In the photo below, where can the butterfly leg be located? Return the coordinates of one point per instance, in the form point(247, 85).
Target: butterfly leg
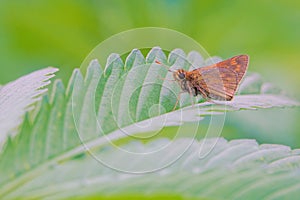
point(191, 96)
point(206, 98)
point(204, 95)
point(178, 99)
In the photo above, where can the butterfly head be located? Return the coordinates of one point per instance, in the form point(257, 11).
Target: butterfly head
point(179, 75)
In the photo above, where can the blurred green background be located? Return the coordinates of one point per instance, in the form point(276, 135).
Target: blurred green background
point(35, 34)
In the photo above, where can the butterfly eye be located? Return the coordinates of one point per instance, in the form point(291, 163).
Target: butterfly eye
point(181, 75)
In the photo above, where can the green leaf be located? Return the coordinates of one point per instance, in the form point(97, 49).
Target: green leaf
point(239, 169)
point(18, 96)
point(120, 102)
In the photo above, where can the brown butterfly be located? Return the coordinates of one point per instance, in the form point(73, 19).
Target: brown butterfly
point(219, 81)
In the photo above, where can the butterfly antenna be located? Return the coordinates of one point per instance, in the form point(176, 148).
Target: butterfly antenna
point(193, 66)
point(165, 66)
point(157, 62)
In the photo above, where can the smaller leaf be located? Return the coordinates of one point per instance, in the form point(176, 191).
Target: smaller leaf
point(18, 96)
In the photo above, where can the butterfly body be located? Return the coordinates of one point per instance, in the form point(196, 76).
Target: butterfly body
point(218, 81)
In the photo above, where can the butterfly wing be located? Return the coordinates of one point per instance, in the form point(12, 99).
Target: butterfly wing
point(219, 81)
